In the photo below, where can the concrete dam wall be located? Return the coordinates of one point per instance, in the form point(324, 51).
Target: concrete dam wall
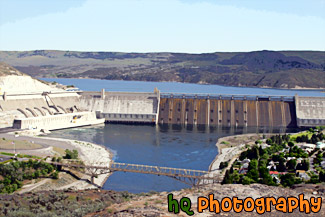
point(122, 107)
point(227, 111)
point(310, 111)
point(44, 110)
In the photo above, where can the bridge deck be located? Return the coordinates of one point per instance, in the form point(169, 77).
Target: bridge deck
point(138, 168)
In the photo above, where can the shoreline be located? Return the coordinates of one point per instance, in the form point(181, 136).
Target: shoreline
point(202, 83)
point(88, 156)
point(89, 153)
point(229, 148)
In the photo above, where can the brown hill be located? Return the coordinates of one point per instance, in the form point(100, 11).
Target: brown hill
point(276, 69)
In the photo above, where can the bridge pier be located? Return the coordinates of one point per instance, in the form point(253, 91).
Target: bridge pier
point(92, 179)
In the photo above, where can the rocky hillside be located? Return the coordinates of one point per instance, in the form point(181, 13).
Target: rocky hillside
point(276, 69)
point(6, 70)
point(119, 204)
point(13, 81)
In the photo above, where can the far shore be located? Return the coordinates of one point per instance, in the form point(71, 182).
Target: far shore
point(199, 83)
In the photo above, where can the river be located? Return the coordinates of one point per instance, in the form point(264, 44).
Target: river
point(175, 87)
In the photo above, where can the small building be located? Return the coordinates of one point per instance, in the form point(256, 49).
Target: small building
point(276, 178)
point(303, 175)
point(243, 171)
point(320, 145)
point(322, 164)
point(245, 166)
point(299, 160)
point(264, 146)
point(308, 146)
point(246, 161)
point(276, 173)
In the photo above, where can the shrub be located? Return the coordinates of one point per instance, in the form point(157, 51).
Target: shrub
point(71, 154)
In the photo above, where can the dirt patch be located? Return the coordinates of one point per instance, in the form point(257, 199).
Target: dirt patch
point(60, 151)
point(18, 144)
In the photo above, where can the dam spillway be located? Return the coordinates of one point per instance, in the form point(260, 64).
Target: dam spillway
point(227, 110)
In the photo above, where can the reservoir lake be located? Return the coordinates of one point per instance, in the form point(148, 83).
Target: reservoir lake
point(192, 147)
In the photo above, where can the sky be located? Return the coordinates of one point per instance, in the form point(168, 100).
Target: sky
point(188, 26)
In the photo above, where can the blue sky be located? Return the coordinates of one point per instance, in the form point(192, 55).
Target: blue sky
point(193, 26)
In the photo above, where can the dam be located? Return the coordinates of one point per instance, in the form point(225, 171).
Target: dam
point(206, 109)
point(62, 109)
point(48, 107)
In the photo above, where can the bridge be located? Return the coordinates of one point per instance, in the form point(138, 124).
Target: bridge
point(187, 176)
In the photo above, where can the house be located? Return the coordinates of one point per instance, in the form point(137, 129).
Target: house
point(276, 173)
point(244, 168)
point(300, 171)
point(276, 178)
point(264, 146)
point(271, 164)
point(308, 146)
point(291, 158)
point(246, 161)
point(299, 160)
point(320, 145)
point(322, 164)
point(308, 150)
point(303, 175)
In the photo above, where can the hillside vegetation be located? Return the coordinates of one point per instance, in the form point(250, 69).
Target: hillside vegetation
point(276, 69)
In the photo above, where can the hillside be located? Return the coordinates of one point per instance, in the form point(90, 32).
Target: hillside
point(276, 69)
point(102, 203)
point(13, 81)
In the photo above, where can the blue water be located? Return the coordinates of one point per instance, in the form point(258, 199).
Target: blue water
point(174, 87)
point(171, 146)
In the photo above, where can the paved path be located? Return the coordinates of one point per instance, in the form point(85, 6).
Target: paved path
point(46, 144)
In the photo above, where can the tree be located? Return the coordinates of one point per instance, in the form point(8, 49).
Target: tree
point(269, 141)
point(253, 153)
point(266, 177)
point(252, 170)
point(71, 154)
point(227, 179)
point(288, 180)
point(304, 165)
point(223, 165)
point(314, 139)
point(322, 176)
point(291, 144)
point(281, 167)
point(246, 180)
point(291, 164)
point(55, 175)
